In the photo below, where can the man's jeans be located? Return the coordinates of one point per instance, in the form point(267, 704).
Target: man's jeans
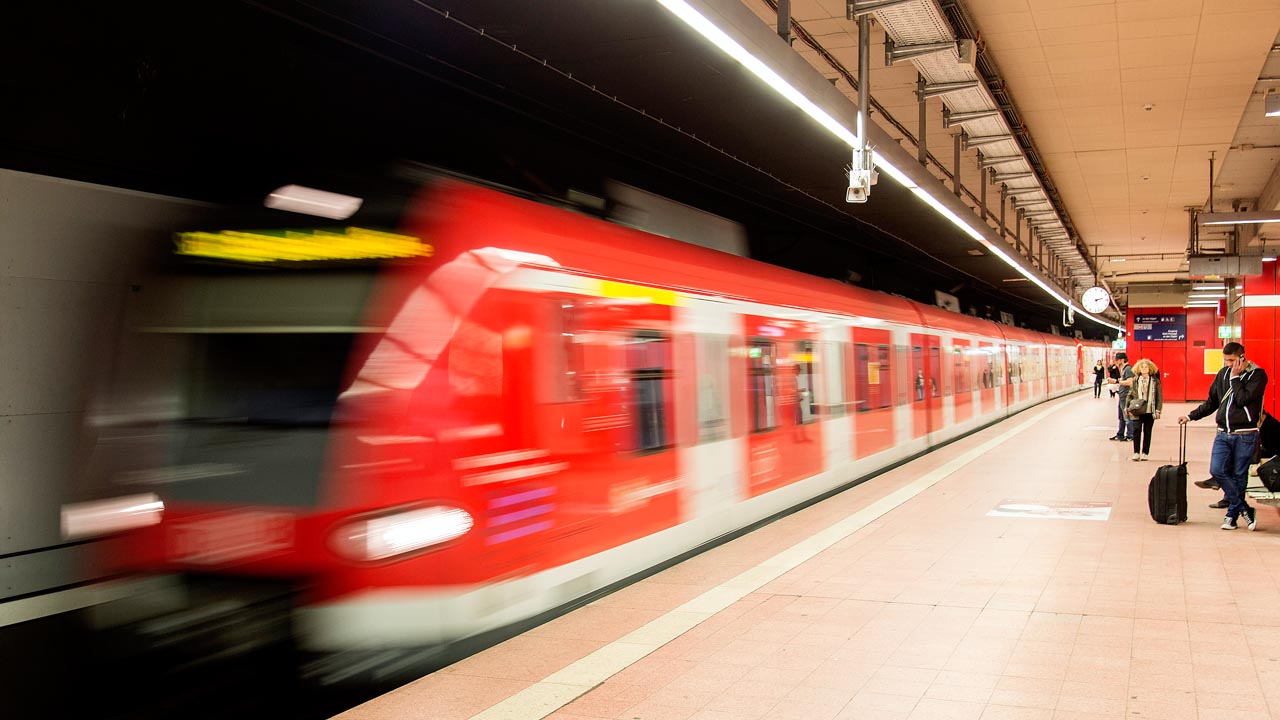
point(1230, 466)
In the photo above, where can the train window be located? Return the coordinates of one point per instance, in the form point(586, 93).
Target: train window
point(713, 378)
point(806, 395)
point(901, 359)
point(874, 371)
point(563, 355)
point(918, 382)
point(835, 378)
point(763, 357)
point(935, 370)
point(649, 360)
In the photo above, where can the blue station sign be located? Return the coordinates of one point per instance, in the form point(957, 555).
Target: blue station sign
point(1159, 328)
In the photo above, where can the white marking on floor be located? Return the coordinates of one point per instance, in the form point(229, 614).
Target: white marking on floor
point(568, 684)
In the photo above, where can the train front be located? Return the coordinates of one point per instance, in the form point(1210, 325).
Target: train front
point(267, 439)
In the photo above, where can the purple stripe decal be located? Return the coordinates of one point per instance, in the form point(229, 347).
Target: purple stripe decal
point(519, 532)
point(521, 515)
point(521, 497)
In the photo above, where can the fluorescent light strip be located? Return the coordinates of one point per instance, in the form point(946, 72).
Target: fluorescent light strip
point(709, 30)
point(1237, 218)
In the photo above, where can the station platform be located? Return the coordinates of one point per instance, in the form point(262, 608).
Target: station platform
point(1015, 573)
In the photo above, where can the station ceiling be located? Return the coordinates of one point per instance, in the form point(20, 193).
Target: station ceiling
point(549, 95)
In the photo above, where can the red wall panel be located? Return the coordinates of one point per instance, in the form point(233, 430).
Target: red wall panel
point(1181, 363)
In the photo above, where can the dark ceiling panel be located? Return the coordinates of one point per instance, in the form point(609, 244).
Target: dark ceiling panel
point(220, 100)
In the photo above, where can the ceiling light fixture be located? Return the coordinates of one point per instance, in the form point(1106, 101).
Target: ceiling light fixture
point(1238, 218)
point(1272, 104)
point(309, 201)
point(718, 37)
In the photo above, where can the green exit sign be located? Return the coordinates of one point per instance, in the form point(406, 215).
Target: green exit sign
point(1229, 332)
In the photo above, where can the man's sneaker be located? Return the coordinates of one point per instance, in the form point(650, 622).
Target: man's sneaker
point(1116, 437)
point(1220, 505)
point(1228, 523)
point(1251, 517)
point(1209, 484)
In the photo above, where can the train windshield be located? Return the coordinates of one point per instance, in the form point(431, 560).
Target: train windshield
point(228, 387)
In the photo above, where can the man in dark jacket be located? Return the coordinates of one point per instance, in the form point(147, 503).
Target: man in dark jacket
point(1236, 398)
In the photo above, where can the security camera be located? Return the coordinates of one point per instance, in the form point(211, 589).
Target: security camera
point(862, 175)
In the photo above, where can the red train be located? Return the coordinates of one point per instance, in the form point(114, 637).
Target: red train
point(538, 405)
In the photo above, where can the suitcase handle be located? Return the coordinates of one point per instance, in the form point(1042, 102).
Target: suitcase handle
point(1182, 444)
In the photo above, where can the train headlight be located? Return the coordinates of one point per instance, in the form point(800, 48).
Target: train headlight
point(102, 517)
point(385, 536)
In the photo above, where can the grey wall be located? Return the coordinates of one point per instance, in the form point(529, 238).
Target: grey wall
point(69, 253)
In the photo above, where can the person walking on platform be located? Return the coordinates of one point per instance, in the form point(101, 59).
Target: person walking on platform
point(1099, 374)
point(1123, 385)
point(1235, 396)
point(1145, 403)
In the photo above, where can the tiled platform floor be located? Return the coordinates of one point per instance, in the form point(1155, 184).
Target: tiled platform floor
point(937, 611)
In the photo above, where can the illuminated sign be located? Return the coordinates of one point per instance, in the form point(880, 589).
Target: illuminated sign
point(268, 246)
point(1160, 328)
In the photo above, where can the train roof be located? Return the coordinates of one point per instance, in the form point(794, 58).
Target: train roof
point(581, 243)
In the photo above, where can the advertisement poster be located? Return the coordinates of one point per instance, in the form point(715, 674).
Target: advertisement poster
point(1159, 328)
point(1212, 361)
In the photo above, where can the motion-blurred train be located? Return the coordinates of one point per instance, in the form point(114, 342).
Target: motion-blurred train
point(523, 405)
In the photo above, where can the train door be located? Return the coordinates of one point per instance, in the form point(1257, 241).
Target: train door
point(785, 442)
point(962, 374)
point(608, 394)
point(988, 379)
point(926, 392)
point(873, 391)
point(1080, 365)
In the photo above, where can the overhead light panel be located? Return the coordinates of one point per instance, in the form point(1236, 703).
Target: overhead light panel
point(309, 201)
point(1238, 218)
point(1272, 104)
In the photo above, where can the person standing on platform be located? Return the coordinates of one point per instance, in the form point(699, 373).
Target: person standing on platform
point(1113, 374)
point(1123, 385)
point(1145, 403)
point(1236, 399)
point(1099, 374)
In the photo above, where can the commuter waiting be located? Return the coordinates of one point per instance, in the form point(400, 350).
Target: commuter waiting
point(1145, 403)
point(1235, 396)
point(1123, 384)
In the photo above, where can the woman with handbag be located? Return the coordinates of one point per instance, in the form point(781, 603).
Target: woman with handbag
point(1144, 406)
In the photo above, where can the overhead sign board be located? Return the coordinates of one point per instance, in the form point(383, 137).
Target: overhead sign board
point(1160, 328)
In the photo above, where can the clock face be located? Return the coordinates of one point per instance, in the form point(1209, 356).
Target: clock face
point(1096, 299)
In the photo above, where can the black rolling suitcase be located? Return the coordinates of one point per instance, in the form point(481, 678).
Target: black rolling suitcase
point(1167, 492)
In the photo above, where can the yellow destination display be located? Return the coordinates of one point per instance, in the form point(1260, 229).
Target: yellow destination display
point(266, 246)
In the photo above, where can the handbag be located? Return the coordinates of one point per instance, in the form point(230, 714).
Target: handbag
point(1136, 406)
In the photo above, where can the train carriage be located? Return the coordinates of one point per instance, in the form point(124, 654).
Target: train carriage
point(537, 405)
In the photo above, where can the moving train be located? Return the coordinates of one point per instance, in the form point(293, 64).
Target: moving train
point(516, 406)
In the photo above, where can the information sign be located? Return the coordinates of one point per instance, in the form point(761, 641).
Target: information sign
point(1160, 328)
